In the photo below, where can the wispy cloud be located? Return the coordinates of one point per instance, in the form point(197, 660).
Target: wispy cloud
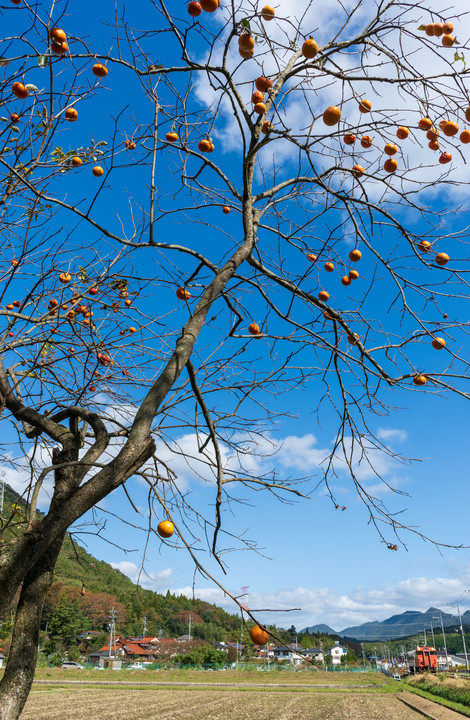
point(159, 582)
point(392, 435)
point(290, 456)
point(341, 610)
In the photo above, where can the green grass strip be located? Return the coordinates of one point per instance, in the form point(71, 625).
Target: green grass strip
point(440, 701)
point(63, 686)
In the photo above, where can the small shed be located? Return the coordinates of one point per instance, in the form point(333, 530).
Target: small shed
point(105, 660)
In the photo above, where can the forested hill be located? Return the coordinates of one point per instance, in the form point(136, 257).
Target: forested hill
point(166, 614)
point(106, 587)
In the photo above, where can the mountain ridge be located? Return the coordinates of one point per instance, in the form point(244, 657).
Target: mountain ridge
point(403, 624)
point(320, 628)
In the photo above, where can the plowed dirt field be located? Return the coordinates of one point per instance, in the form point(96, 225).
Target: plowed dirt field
point(80, 703)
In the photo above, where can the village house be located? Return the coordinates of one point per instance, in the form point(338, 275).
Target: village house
point(184, 638)
point(295, 654)
point(314, 654)
point(226, 645)
point(262, 651)
point(89, 635)
point(136, 649)
point(452, 659)
point(337, 652)
point(128, 649)
point(290, 653)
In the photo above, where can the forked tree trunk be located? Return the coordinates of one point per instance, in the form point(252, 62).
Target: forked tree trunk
point(19, 672)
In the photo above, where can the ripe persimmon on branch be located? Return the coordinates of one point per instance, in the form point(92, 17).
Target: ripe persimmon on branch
point(189, 233)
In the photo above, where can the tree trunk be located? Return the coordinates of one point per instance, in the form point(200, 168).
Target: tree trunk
point(19, 672)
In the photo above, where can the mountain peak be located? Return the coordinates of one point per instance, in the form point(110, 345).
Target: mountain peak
point(319, 629)
point(407, 623)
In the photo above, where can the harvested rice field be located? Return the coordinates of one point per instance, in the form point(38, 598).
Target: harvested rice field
point(78, 702)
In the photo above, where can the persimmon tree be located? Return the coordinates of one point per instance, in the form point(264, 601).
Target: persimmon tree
point(189, 234)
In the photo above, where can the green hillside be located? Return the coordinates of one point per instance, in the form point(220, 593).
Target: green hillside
point(166, 614)
point(86, 589)
point(105, 587)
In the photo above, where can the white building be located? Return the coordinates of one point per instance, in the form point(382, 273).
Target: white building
point(295, 654)
point(452, 660)
point(289, 653)
point(337, 652)
point(315, 653)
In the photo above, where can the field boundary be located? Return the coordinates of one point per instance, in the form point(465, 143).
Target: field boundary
point(424, 705)
point(182, 685)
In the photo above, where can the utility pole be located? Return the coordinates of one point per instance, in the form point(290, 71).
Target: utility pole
point(405, 660)
point(425, 643)
point(363, 656)
point(2, 493)
point(145, 626)
point(444, 639)
point(244, 590)
point(432, 633)
point(463, 637)
point(189, 627)
point(112, 632)
point(239, 644)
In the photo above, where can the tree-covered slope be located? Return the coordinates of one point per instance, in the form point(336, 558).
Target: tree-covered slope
point(105, 587)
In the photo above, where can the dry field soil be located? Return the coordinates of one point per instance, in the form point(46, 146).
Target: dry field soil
point(82, 703)
point(88, 695)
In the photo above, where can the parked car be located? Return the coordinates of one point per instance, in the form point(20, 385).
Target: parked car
point(69, 665)
point(137, 666)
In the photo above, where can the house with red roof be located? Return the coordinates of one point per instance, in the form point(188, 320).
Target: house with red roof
point(128, 649)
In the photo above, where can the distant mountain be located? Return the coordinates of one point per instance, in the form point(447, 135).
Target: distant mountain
point(403, 625)
point(319, 629)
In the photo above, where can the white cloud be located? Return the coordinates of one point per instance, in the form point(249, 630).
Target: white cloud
point(158, 582)
point(17, 473)
point(392, 434)
point(391, 106)
point(293, 456)
point(301, 453)
point(323, 605)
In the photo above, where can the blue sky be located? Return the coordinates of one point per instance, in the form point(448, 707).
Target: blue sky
point(328, 562)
